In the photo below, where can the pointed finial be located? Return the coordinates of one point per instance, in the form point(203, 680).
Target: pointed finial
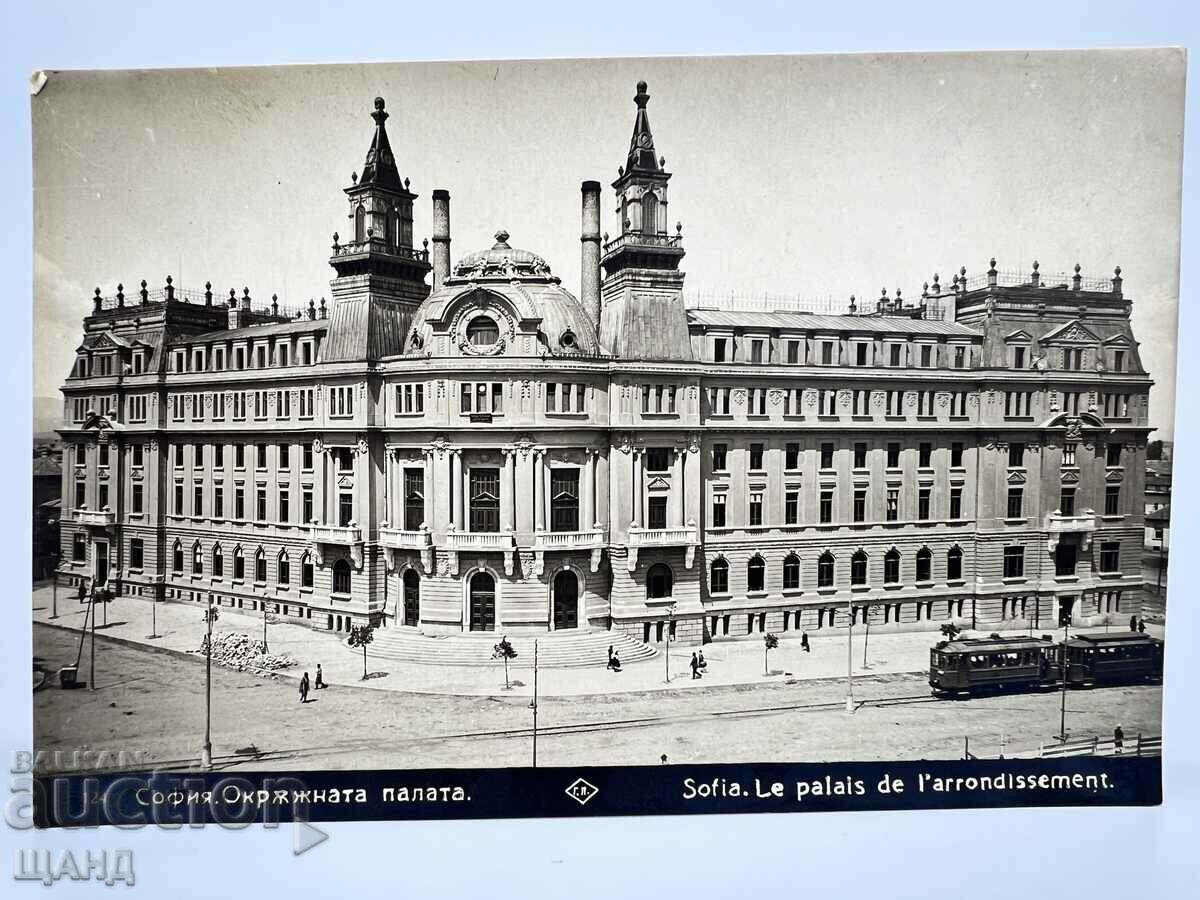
point(606, 237)
point(406, 184)
point(502, 237)
point(897, 295)
point(1117, 271)
point(662, 162)
point(208, 293)
point(1035, 265)
point(992, 262)
point(678, 229)
point(642, 96)
point(354, 177)
point(883, 292)
point(1076, 268)
point(121, 294)
point(335, 241)
point(232, 297)
point(97, 293)
point(925, 289)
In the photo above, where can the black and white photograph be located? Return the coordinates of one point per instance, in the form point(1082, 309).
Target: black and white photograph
point(639, 412)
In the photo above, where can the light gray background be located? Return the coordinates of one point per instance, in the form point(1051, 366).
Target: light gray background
point(990, 853)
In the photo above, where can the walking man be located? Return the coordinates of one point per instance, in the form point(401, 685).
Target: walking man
point(695, 667)
point(1141, 626)
point(1118, 739)
point(1133, 623)
point(804, 642)
point(320, 682)
point(304, 688)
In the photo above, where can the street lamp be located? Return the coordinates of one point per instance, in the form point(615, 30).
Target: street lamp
point(1062, 724)
point(850, 654)
point(210, 616)
point(533, 704)
point(667, 640)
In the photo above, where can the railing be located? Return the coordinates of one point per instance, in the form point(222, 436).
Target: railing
point(736, 301)
point(1139, 746)
point(479, 540)
point(664, 537)
point(568, 540)
point(1046, 280)
point(336, 534)
point(176, 294)
point(639, 239)
point(95, 517)
point(1060, 524)
point(399, 539)
point(379, 245)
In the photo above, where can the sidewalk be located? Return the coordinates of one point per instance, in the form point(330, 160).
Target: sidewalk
point(180, 628)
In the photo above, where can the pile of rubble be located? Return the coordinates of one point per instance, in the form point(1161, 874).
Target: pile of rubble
point(239, 651)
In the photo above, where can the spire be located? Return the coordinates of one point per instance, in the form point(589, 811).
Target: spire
point(380, 168)
point(642, 157)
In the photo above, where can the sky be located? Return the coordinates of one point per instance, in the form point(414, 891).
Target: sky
point(810, 176)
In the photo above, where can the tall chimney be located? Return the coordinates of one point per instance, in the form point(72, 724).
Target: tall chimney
point(441, 237)
point(589, 276)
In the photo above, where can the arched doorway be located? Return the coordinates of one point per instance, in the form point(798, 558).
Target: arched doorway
point(659, 581)
point(481, 602)
point(565, 598)
point(412, 598)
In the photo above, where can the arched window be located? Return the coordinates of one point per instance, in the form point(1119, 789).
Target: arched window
point(825, 570)
point(649, 213)
point(791, 572)
point(891, 567)
point(239, 564)
point(718, 576)
point(341, 577)
point(218, 564)
point(177, 558)
point(306, 571)
point(954, 564)
point(858, 568)
point(482, 331)
point(659, 581)
point(756, 574)
point(360, 224)
point(197, 559)
point(924, 565)
point(283, 568)
point(260, 566)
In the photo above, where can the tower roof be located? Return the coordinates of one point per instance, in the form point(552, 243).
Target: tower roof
point(642, 157)
point(380, 168)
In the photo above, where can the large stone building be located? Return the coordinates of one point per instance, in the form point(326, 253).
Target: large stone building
point(469, 447)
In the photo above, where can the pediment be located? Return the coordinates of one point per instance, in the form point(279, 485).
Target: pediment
point(1070, 477)
point(1016, 477)
point(1119, 340)
point(1019, 336)
point(658, 483)
point(1114, 477)
point(1071, 333)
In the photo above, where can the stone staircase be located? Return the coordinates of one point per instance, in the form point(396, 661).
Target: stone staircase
point(556, 649)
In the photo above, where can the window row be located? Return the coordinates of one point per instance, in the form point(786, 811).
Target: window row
point(756, 570)
point(829, 452)
point(762, 350)
point(220, 358)
point(218, 406)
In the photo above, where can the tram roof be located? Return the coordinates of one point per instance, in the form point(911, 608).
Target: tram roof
point(1119, 637)
point(990, 644)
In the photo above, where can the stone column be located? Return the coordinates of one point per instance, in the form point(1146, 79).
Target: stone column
point(539, 490)
point(427, 487)
point(456, 486)
point(637, 487)
point(677, 487)
point(508, 493)
point(587, 487)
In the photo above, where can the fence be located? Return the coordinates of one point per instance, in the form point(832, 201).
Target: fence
point(1140, 745)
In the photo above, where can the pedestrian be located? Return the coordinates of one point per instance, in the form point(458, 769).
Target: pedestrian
point(320, 682)
point(610, 652)
point(1141, 626)
point(615, 662)
point(804, 642)
point(695, 667)
point(702, 662)
point(1133, 623)
point(1118, 739)
point(304, 688)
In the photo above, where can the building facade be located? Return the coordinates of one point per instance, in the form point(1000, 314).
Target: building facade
point(469, 447)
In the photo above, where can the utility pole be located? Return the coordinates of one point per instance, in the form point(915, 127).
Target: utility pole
point(92, 661)
point(54, 598)
point(263, 603)
point(667, 640)
point(866, 634)
point(533, 704)
point(849, 656)
point(210, 616)
point(1062, 727)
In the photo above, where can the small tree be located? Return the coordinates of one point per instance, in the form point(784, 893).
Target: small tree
point(770, 642)
point(360, 636)
point(504, 650)
point(951, 631)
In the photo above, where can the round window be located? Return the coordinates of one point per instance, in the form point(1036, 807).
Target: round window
point(482, 331)
point(568, 339)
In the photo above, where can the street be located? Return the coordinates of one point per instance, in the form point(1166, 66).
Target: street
point(151, 701)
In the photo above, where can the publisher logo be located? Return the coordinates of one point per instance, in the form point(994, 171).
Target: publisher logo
point(581, 791)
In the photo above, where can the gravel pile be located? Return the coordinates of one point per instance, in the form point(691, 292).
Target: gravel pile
point(239, 651)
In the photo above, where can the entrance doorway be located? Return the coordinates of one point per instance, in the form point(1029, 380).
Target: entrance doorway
point(412, 598)
point(101, 563)
point(566, 600)
point(1065, 606)
point(482, 602)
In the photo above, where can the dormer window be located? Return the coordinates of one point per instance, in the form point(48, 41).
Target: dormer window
point(483, 332)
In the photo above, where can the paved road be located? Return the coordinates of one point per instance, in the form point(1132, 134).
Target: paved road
point(153, 702)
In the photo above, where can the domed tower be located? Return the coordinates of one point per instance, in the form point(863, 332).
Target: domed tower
point(642, 313)
point(380, 275)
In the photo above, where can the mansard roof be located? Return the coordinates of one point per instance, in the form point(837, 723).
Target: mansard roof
point(250, 332)
point(800, 321)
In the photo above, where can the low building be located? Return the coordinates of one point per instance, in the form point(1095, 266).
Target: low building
point(469, 447)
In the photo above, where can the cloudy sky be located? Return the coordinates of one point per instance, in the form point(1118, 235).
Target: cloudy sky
point(810, 176)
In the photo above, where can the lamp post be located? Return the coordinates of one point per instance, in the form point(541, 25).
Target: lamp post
point(667, 640)
point(263, 603)
point(533, 704)
point(54, 597)
point(92, 661)
point(210, 615)
point(849, 655)
point(1062, 721)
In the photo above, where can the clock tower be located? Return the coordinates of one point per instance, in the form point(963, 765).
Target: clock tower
point(642, 314)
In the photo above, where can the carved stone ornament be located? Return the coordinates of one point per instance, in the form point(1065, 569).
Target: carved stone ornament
point(361, 446)
point(318, 446)
point(439, 445)
point(1074, 429)
point(739, 396)
point(972, 399)
point(943, 399)
point(625, 441)
point(776, 397)
point(810, 398)
point(877, 399)
point(693, 441)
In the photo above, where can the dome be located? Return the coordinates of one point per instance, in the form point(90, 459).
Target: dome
point(523, 295)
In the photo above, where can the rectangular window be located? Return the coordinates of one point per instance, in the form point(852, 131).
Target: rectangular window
point(260, 504)
point(307, 505)
point(826, 509)
point(925, 455)
point(718, 511)
point(414, 499)
point(656, 513)
point(1112, 499)
point(1016, 503)
point(826, 455)
point(1014, 562)
point(239, 456)
point(1065, 559)
point(283, 404)
point(260, 456)
point(923, 502)
point(926, 356)
point(102, 500)
point(1118, 360)
point(860, 505)
point(756, 457)
point(827, 353)
point(135, 553)
point(285, 456)
point(960, 357)
point(955, 503)
point(1016, 455)
point(956, 455)
point(1066, 503)
point(345, 509)
point(893, 455)
point(791, 508)
point(306, 457)
point(198, 500)
point(719, 455)
point(79, 548)
point(861, 352)
point(218, 456)
point(135, 498)
point(756, 351)
point(756, 509)
point(564, 499)
point(239, 502)
point(1112, 454)
point(894, 354)
point(178, 508)
point(658, 459)
point(1110, 556)
point(218, 502)
point(793, 352)
point(1018, 357)
point(484, 499)
point(284, 511)
point(860, 455)
point(341, 401)
point(893, 504)
point(719, 349)
point(791, 456)
point(1068, 457)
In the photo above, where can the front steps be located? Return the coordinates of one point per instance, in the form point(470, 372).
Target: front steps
point(556, 649)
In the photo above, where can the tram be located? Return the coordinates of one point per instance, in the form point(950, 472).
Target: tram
point(976, 665)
